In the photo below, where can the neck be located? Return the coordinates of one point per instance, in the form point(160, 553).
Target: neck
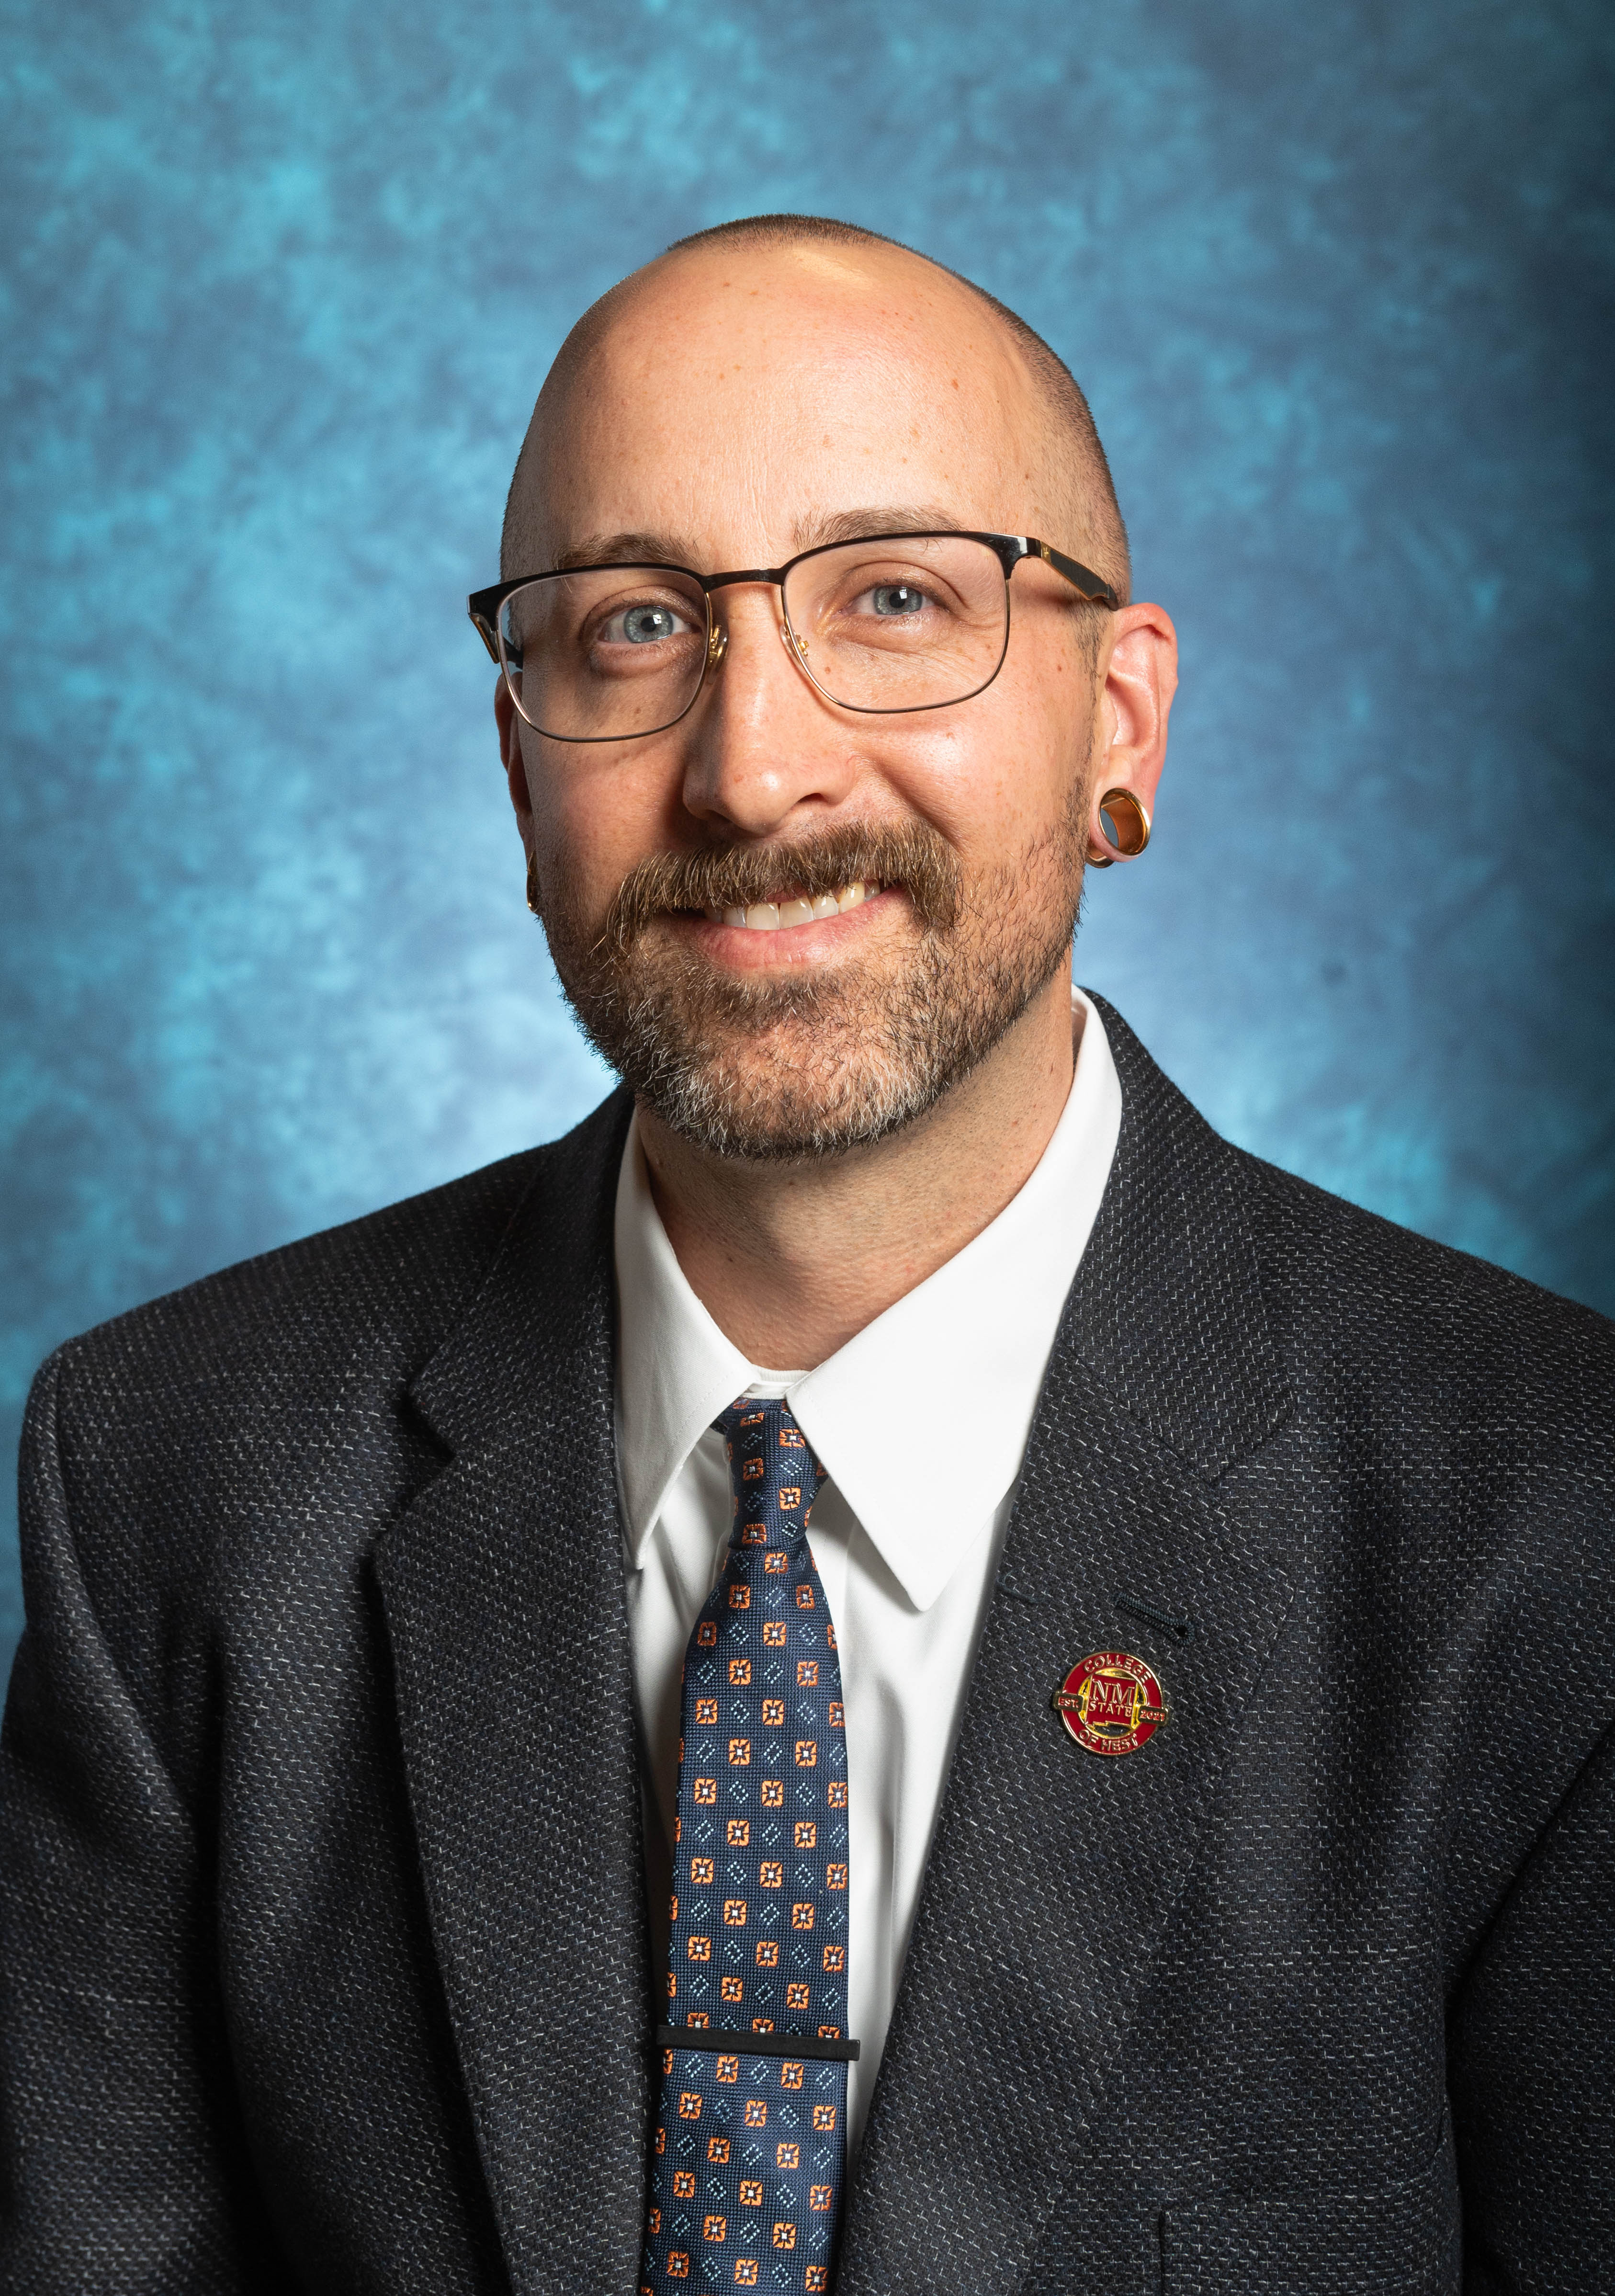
point(792, 1260)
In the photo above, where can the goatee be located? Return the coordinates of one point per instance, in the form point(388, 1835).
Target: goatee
point(841, 1056)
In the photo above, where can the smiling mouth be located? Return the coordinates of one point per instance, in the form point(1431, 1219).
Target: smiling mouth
point(801, 909)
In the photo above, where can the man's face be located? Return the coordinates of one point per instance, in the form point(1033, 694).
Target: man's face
point(741, 408)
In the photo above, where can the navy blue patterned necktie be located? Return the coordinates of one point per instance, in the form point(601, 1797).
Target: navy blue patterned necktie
point(749, 2156)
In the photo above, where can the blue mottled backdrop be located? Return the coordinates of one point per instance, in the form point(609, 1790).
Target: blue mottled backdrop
point(280, 284)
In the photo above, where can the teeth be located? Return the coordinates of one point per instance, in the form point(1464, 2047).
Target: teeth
point(775, 916)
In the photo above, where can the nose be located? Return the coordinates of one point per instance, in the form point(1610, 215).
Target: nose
point(717, 645)
point(763, 745)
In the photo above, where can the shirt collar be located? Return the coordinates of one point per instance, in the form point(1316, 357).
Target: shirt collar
point(954, 1367)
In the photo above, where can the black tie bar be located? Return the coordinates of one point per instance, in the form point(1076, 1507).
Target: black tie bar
point(756, 2045)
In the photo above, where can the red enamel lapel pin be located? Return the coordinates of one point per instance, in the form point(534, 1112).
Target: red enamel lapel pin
point(1110, 1702)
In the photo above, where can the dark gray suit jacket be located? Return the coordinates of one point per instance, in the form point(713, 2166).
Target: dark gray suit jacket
point(325, 1951)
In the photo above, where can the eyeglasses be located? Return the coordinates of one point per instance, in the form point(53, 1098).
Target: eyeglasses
point(891, 624)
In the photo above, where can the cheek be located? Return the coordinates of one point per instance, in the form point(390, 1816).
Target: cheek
point(593, 820)
point(1003, 778)
point(1047, 734)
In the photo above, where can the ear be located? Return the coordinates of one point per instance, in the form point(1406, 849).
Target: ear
point(515, 764)
point(1139, 680)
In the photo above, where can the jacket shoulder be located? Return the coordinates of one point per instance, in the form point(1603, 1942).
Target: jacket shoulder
point(1225, 1299)
point(337, 1321)
point(213, 1468)
point(382, 1282)
point(1394, 1314)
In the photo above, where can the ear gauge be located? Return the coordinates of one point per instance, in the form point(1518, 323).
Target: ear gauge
point(1124, 825)
point(532, 886)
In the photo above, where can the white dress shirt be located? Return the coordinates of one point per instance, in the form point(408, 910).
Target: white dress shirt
point(921, 1422)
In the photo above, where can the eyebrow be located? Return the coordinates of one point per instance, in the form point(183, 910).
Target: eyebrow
point(628, 549)
point(885, 518)
point(639, 547)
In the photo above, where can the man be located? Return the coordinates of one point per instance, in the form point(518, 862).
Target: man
point(889, 1670)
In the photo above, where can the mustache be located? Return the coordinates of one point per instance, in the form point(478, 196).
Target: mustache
point(910, 854)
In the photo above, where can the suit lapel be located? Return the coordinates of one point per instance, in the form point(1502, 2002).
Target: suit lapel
point(503, 1591)
point(1053, 1871)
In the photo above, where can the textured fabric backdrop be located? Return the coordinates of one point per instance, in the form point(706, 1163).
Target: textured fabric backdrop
point(280, 285)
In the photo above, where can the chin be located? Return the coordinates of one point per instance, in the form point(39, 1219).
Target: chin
point(728, 1109)
point(807, 1068)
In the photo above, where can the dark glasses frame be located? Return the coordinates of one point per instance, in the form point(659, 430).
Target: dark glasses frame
point(1010, 549)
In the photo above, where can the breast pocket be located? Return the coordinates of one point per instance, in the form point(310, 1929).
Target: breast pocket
point(1403, 2238)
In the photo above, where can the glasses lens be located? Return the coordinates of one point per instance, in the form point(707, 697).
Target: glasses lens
point(605, 653)
point(901, 625)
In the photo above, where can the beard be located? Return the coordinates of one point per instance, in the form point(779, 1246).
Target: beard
point(839, 1059)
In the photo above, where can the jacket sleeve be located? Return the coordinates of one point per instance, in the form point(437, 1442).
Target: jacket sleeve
point(121, 2165)
point(1531, 2061)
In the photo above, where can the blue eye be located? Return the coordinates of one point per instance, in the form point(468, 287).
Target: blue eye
point(648, 625)
point(897, 598)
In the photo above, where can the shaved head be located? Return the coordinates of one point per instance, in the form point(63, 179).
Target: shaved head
point(793, 923)
point(1055, 429)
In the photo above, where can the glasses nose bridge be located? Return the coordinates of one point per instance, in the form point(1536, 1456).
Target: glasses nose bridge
point(762, 576)
point(773, 577)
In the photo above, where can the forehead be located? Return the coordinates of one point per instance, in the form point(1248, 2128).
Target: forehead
point(738, 403)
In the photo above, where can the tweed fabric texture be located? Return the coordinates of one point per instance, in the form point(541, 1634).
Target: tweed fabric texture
point(323, 1958)
point(747, 2162)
